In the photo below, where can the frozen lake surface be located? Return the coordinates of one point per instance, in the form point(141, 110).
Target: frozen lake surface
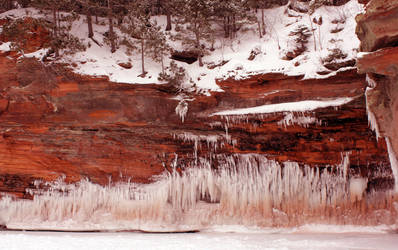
point(203, 240)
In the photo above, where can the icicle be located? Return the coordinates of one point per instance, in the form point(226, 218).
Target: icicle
point(371, 117)
point(371, 83)
point(245, 189)
point(393, 162)
point(301, 119)
point(345, 159)
point(213, 142)
point(357, 188)
point(182, 109)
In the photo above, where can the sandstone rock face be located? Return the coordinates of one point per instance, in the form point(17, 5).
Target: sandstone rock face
point(378, 33)
point(55, 123)
point(377, 28)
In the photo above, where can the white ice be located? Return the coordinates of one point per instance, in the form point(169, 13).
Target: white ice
point(207, 240)
point(301, 106)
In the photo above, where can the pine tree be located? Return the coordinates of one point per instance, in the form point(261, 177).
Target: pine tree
point(111, 33)
point(60, 27)
point(87, 7)
point(313, 5)
point(197, 15)
point(232, 12)
point(6, 5)
point(56, 27)
point(256, 5)
point(167, 7)
point(157, 47)
point(139, 26)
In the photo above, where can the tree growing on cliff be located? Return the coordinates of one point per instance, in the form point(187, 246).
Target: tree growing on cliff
point(228, 12)
point(61, 24)
point(111, 37)
point(139, 26)
point(195, 15)
point(87, 8)
point(168, 9)
point(313, 5)
point(16, 31)
point(6, 5)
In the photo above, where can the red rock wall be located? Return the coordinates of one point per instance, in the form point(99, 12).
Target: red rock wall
point(54, 123)
point(83, 127)
point(378, 31)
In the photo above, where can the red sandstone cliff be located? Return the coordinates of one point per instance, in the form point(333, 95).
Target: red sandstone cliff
point(377, 29)
point(53, 123)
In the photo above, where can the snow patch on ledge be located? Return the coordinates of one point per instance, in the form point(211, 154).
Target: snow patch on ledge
point(301, 106)
point(4, 47)
point(39, 54)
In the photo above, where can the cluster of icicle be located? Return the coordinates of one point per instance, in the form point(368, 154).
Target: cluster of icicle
point(375, 127)
point(182, 109)
point(213, 142)
point(300, 119)
point(244, 189)
point(371, 117)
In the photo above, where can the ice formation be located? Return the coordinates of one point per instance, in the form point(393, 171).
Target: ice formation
point(299, 106)
point(371, 117)
point(300, 119)
point(244, 189)
point(213, 142)
point(357, 188)
point(375, 127)
point(393, 162)
point(182, 109)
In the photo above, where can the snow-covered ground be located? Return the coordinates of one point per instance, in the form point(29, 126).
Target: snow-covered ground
point(210, 240)
point(336, 32)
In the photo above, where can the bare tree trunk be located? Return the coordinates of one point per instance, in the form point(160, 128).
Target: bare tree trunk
point(259, 28)
point(55, 22)
point(89, 24)
point(200, 60)
point(234, 24)
point(168, 25)
point(24, 3)
point(161, 60)
point(262, 21)
point(142, 57)
point(312, 30)
point(226, 27)
point(197, 36)
point(55, 33)
point(319, 36)
point(7, 4)
point(59, 21)
point(165, 7)
point(111, 33)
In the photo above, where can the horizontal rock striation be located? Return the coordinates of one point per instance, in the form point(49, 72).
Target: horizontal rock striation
point(378, 33)
point(54, 123)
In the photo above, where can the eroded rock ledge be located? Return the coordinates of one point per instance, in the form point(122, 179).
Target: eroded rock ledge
point(378, 33)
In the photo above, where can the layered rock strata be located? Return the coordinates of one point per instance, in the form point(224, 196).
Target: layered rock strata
point(56, 123)
point(378, 31)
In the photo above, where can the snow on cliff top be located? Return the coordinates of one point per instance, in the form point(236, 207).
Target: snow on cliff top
point(336, 32)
